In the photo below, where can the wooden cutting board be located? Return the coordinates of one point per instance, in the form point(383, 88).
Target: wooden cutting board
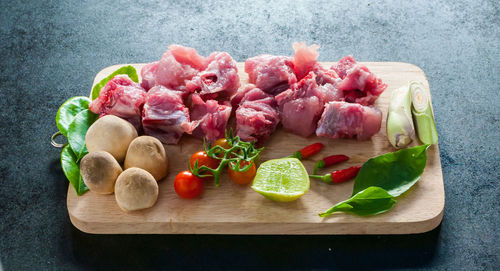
point(236, 209)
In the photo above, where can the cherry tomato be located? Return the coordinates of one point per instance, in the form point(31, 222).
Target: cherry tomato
point(243, 177)
point(203, 160)
point(222, 142)
point(187, 185)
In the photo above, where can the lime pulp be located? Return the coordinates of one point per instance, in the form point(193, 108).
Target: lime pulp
point(282, 180)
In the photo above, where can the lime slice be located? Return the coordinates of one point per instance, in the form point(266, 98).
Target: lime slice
point(283, 179)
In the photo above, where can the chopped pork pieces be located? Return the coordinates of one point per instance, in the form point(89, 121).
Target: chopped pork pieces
point(346, 120)
point(257, 115)
point(165, 116)
point(210, 118)
point(121, 97)
point(184, 92)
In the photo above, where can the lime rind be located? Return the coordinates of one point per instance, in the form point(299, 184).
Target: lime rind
point(280, 197)
point(281, 180)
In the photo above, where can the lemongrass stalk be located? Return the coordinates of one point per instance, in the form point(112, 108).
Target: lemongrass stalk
point(399, 125)
point(422, 113)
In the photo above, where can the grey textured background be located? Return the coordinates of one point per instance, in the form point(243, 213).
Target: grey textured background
point(51, 50)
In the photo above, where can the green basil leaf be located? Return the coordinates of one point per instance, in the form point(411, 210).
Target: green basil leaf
point(395, 172)
point(68, 111)
point(72, 170)
point(128, 70)
point(371, 201)
point(78, 129)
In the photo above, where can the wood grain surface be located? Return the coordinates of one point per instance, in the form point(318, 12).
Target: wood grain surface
point(236, 209)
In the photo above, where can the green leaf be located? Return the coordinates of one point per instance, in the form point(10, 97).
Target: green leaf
point(128, 70)
point(395, 172)
point(371, 201)
point(68, 111)
point(78, 129)
point(72, 170)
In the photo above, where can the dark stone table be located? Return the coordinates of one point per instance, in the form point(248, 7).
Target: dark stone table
point(51, 50)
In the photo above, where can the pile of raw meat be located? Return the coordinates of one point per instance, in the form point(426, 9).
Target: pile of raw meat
point(184, 92)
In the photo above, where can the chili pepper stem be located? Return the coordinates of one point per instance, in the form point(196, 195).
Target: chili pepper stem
point(296, 154)
point(318, 165)
point(327, 178)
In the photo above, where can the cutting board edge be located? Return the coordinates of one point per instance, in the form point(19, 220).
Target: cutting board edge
point(257, 228)
point(382, 228)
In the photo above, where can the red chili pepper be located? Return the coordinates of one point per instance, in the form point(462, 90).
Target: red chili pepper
point(330, 160)
point(339, 176)
point(308, 151)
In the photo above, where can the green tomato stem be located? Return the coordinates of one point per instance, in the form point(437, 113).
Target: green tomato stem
point(238, 152)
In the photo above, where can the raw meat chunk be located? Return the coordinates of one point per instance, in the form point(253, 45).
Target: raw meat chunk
point(327, 81)
point(237, 99)
point(176, 66)
point(301, 106)
point(240, 94)
point(324, 76)
point(348, 120)
point(257, 116)
point(305, 59)
point(121, 97)
point(331, 93)
point(219, 80)
point(210, 118)
point(148, 74)
point(344, 64)
point(272, 74)
point(164, 115)
point(358, 84)
point(361, 86)
point(253, 93)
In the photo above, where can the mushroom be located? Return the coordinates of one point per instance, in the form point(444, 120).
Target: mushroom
point(136, 189)
point(112, 134)
point(148, 153)
point(99, 171)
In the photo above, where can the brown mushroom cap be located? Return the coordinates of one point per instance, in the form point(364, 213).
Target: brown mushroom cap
point(99, 172)
point(112, 134)
point(148, 153)
point(136, 189)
